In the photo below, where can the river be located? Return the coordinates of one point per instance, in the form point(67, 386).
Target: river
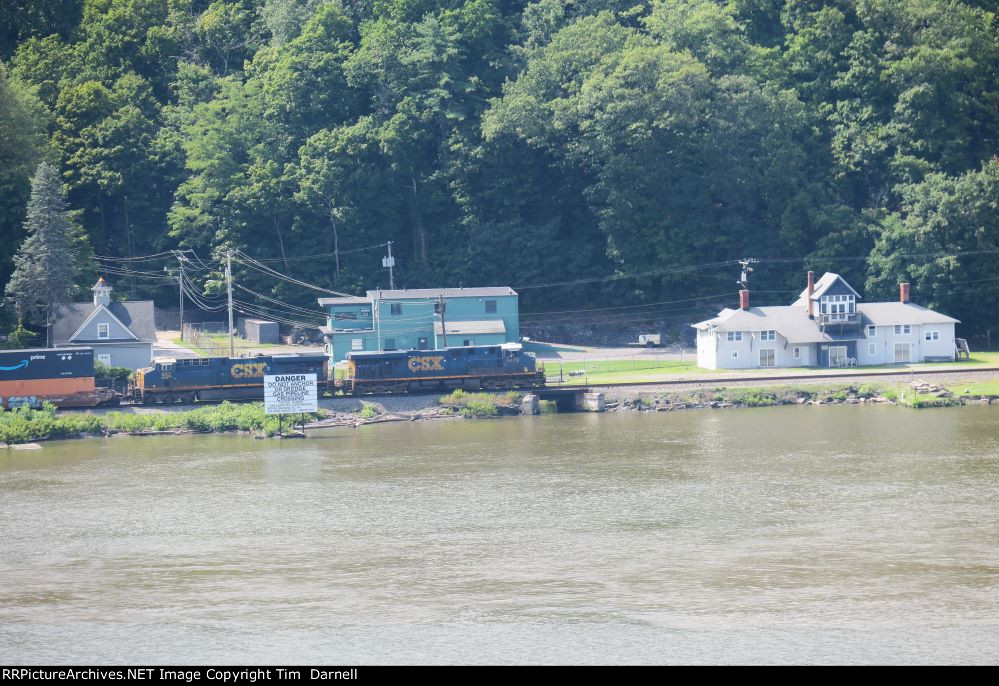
point(776, 535)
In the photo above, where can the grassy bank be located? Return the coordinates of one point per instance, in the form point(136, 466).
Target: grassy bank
point(23, 425)
point(470, 405)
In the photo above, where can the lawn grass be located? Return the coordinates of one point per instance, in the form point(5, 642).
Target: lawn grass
point(975, 388)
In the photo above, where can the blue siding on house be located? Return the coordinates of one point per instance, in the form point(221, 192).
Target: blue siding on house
point(401, 322)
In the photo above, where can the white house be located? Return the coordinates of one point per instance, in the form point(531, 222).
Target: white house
point(825, 327)
point(121, 333)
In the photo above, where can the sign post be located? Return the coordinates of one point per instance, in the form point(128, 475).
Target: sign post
point(289, 394)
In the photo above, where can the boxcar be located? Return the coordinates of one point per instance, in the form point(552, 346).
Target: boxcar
point(62, 376)
point(474, 367)
point(219, 378)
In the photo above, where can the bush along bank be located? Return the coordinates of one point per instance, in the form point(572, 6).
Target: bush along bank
point(479, 405)
point(24, 424)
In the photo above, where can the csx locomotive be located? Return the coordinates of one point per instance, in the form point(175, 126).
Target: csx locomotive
point(484, 367)
point(220, 378)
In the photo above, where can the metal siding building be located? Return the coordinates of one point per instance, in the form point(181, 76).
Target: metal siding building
point(410, 320)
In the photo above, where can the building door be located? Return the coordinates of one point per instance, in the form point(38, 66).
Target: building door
point(423, 343)
point(837, 356)
point(903, 352)
point(767, 357)
point(105, 359)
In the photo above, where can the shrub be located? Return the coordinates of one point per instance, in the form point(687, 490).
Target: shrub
point(369, 411)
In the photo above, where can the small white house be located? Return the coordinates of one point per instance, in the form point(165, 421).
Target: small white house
point(122, 334)
point(826, 327)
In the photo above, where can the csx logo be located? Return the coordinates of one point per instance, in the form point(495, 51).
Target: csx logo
point(433, 363)
point(247, 370)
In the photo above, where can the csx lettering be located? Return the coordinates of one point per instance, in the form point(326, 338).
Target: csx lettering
point(434, 363)
point(248, 370)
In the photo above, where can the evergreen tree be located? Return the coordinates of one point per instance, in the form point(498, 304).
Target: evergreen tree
point(47, 263)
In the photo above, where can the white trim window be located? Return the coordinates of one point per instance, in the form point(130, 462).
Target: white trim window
point(768, 357)
point(103, 331)
point(797, 353)
point(872, 349)
point(734, 335)
point(357, 344)
point(903, 329)
point(768, 335)
point(872, 331)
point(932, 336)
point(735, 354)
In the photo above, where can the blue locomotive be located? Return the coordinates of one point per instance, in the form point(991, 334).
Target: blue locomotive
point(482, 367)
point(220, 378)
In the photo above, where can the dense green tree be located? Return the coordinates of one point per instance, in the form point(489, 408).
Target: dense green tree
point(49, 259)
point(517, 142)
point(945, 242)
point(23, 143)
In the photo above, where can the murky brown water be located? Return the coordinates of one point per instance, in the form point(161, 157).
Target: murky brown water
point(833, 534)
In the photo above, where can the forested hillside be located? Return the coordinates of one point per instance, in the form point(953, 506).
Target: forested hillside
point(632, 148)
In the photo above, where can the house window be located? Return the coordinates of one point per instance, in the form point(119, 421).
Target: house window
point(768, 335)
point(932, 335)
point(468, 342)
point(735, 354)
point(357, 344)
point(490, 306)
point(105, 360)
point(903, 329)
point(872, 331)
point(797, 353)
point(767, 357)
point(872, 349)
point(365, 314)
point(735, 335)
point(389, 344)
point(437, 307)
point(343, 316)
point(103, 331)
point(395, 309)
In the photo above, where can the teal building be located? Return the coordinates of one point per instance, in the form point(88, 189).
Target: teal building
point(412, 319)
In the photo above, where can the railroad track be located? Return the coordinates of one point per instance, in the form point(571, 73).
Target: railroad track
point(704, 381)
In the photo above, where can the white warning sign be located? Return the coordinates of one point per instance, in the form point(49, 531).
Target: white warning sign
point(289, 393)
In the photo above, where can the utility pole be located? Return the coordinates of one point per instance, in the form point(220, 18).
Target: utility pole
point(180, 280)
point(378, 319)
point(746, 271)
point(440, 305)
point(228, 282)
point(389, 262)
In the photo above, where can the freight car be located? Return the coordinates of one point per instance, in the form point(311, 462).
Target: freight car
point(482, 367)
point(62, 376)
point(219, 378)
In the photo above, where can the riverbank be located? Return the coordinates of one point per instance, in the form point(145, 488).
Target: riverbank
point(25, 425)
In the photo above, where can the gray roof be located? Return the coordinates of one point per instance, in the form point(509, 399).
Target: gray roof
point(137, 315)
point(326, 302)
point(423, 293)
point(821, 286)
point(891, 313)
point(789, 321)
point(473, 327)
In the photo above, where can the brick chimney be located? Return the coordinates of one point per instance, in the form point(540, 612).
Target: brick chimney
point(903, 292)
point(743, 299)
point(808, 296)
